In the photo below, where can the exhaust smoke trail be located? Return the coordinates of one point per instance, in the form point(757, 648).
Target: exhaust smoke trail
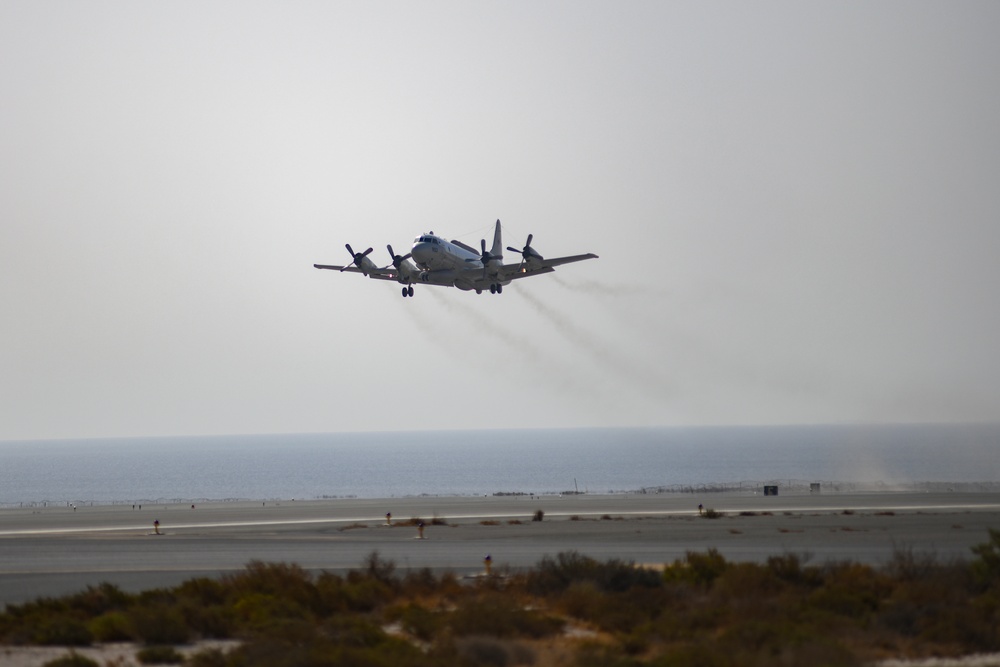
point(605, 289)
point(605, 353)
point(522, 346)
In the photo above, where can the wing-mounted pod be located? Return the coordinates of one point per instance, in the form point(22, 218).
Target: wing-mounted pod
point(360, 260)
point(528, 254)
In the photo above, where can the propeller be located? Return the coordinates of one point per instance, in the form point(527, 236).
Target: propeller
point(486, 257)
point(357, 257)
point(527, 252)
point(397, 260)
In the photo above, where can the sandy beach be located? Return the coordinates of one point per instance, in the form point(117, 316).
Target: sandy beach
point(58, 550)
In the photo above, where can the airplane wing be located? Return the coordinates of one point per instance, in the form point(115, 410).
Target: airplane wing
point(539, 266)
point(377, 274)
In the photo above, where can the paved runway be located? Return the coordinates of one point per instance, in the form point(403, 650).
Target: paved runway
point(55, 551)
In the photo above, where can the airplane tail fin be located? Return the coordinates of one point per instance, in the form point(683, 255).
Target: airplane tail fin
point(497, 249)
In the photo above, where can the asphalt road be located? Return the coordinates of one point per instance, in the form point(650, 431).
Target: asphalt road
point(58, 550)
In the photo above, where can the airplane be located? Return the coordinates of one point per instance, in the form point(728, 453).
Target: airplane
point(436, 261)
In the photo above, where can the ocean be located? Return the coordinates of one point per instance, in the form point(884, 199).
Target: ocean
point(541, 461)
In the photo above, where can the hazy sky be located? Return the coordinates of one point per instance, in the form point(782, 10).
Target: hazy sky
point(796, 207)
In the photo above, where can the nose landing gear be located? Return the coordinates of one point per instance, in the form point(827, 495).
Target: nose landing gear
point(408, 291)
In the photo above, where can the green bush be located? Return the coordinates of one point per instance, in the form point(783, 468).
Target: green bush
point(419, 621)
point(210, 657)
point(553, 575)
point(986, 566)
point(113, 626)
point(492, 652)
point(72, 659)
point(286, 581)
point(62, 630)
point(499, 615)
point(159, 624)
point(159, 655)
point(697, 568)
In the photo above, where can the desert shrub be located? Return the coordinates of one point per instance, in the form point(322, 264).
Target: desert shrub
point(216, 621)
point(331, 593)
point(598, 654)
point(324, 651)
point(623, 612)
point(210, 657)
point(703, 654)
point(256, 609)
point(713, 514)
point(697, 568)
point(282, 580)
point(582, 599)
point(96, 600)
point(962, 625)
point(290, 630)
point(986, 566)
point(759, 642)
point(202, 590)
point(113, 626)
point(538, 515)
point(379, 568)
point(789, 568)
point(72, 659)
point(492, 652)
point(746, 583)
point(498, 615)
point(159, 655)
point(419, 621)
point(553, 575)
point(419, 582)
point(850, 589)
point(908, 565)
point(155, 596)
point(354, 631)
point(62, 630)
point(159, 624)
point(933, 607)
point(364, 594)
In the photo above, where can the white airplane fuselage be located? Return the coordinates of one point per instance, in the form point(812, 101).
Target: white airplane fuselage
point(445, 263)
point(433, 253)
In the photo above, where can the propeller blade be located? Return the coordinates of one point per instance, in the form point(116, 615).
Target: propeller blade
point(355, 257)
point(397, 261)
point(527, 252)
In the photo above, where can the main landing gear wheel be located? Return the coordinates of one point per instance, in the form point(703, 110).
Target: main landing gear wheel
point(496, 289)
point(408, 291)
